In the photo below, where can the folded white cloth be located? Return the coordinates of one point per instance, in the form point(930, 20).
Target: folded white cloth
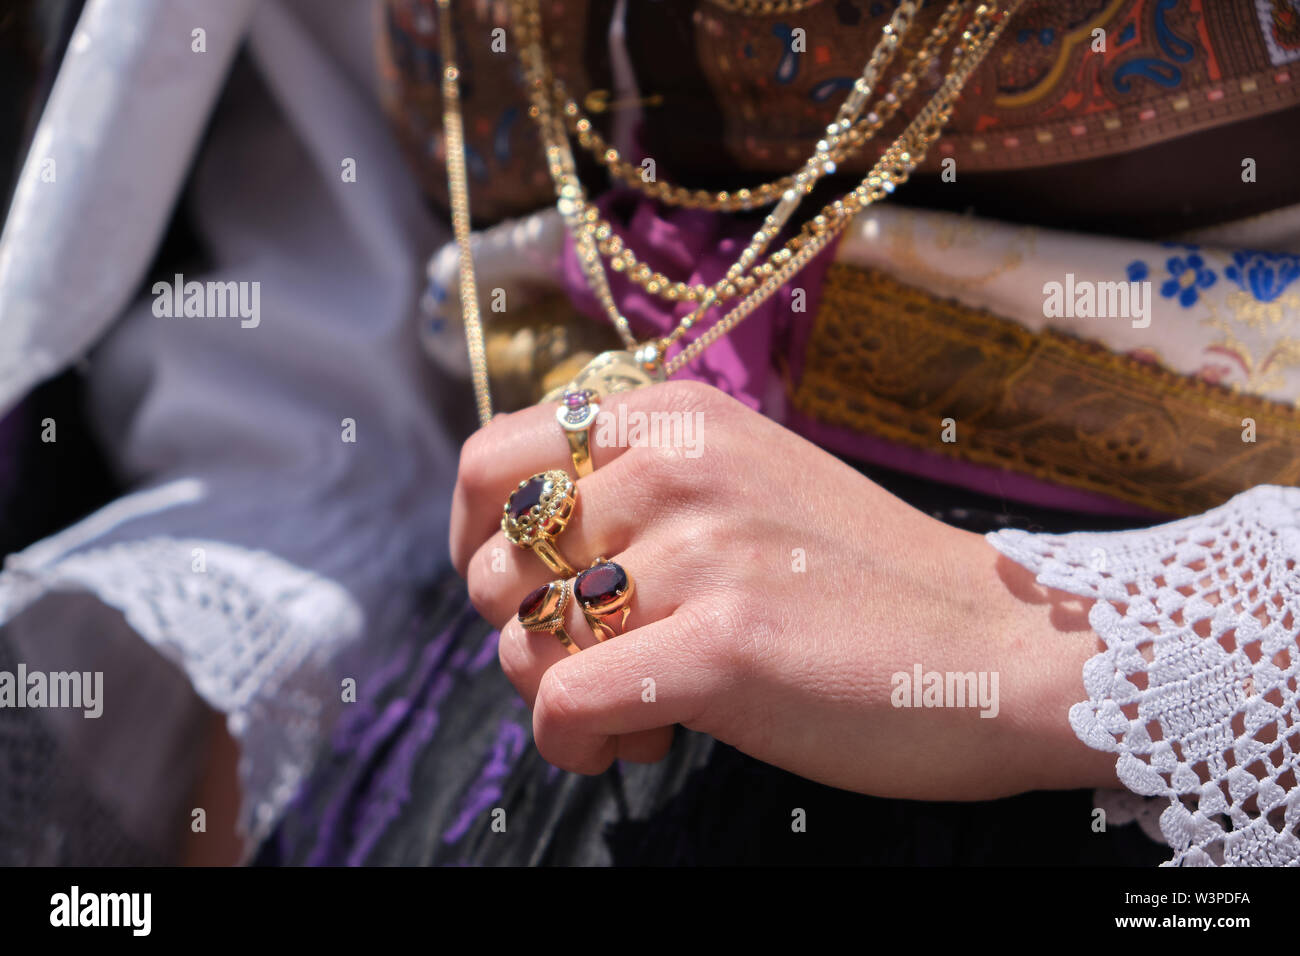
point(259, 543)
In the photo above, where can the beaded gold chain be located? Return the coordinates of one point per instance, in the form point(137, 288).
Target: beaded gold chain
point(624, 260)
point(589, 231)
point(763, 8)
point(893, 167)
point(904, 156)
point(851, 142)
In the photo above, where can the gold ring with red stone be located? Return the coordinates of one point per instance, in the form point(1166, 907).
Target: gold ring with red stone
point(543, 610)
point(537, 511)
point(604, 592)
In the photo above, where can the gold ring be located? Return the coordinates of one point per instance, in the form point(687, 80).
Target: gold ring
point(604, 592)
point(543, 610)
point(577, 412)
point(537, 511)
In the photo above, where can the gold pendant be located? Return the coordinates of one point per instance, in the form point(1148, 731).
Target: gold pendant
point(618, 371)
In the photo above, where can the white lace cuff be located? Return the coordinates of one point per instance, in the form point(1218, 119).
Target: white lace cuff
point(1196, 689)
point(257, 638)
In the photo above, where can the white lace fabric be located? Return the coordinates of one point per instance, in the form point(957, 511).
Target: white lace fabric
point(255, 635)
point(1195, 688)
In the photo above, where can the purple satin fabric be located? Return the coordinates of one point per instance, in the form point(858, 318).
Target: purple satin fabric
point(698, 246)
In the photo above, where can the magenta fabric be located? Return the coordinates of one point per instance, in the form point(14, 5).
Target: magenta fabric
point(698, 246)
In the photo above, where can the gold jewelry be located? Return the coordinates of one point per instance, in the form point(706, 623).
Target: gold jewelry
point(458, 192)
point(645, 361)
point(612, 372)
point(599, 101)
point(543, 610)
point(535, 514)
point(851, 142)
point(576, 414)
point(578, 215)
point(895, 167)
point(604, 592)
point(763, 8)
point(624, 260)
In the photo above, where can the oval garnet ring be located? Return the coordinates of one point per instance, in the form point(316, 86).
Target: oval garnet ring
point(604, 591)
point(543, 610)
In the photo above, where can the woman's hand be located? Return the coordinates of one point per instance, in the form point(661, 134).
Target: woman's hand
point(778, 595)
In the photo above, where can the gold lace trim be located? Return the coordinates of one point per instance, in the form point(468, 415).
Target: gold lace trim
point(890, 360)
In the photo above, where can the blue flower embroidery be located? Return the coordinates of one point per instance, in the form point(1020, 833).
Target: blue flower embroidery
point(1188, 275)
point(1265, 275)
point(1137, 270)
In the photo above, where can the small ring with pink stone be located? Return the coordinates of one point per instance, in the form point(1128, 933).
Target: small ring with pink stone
point(576, 413)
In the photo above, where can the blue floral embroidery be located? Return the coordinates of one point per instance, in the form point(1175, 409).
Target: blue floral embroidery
point(1188, 275)
point(1265, 275)
point(1137, 270)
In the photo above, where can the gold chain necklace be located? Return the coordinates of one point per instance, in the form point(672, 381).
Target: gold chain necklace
point(908, 151)
point(615, 371)
point(747, 271)
point(458, 194)
point(852, 141)
point(583, 220)
point(624, 260)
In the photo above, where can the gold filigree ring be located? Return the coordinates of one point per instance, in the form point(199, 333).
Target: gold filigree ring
point(537, 511)
point(604, 593)
point(576, 414)
point(543, 610)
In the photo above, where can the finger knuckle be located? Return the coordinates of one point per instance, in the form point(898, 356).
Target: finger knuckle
point(557, 711)
point(704, 541)
point(482, 585)
point(561, 729)
point(663, 472)
point(720, 623)
point(512, 650)
point(474, 471)
point(686, 395)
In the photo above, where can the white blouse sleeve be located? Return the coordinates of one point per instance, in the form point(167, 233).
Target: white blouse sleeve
point(288, 479)
point(1196, 687)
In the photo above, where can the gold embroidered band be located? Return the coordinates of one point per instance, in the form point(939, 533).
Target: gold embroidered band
point(890, 360)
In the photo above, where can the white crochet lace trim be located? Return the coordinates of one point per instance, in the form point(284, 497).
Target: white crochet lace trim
point(254, 634)
point(1196, 689)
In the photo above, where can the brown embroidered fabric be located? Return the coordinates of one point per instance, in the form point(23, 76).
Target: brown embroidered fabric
point(738, 101)
point(1056, 90)
point(887, 359)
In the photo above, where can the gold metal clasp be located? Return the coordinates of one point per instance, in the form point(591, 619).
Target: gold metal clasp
point(598, 101)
